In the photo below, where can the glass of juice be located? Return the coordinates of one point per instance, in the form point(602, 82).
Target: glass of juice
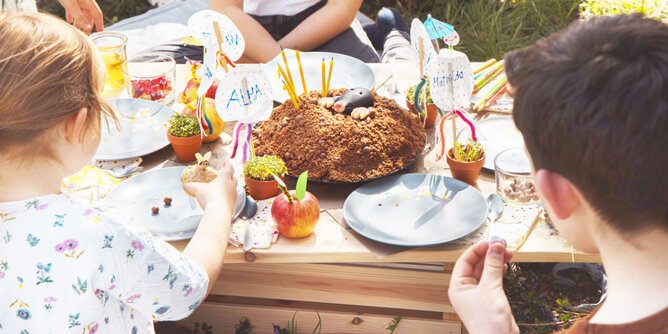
point(112, 47)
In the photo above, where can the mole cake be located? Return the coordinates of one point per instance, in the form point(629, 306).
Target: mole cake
point(336, 146)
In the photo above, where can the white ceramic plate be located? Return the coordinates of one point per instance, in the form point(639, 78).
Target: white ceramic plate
point(415, 210)
point(348, 72)
point(496, 133)
point(142, 130)
point(138, 194)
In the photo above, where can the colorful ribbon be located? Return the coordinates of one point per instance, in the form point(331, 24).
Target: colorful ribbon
point(246, 143)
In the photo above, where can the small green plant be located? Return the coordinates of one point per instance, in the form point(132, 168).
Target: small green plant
point(292, 326)
point(261, 168)
point(472, 151)
point(183, 126)
point(410, 94)
point(393, 324)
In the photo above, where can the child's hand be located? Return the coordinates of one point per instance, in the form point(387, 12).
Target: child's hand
point(476, 289)
point(83, 14)
point(222, 190)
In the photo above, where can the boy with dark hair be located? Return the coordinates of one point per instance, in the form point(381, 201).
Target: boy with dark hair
point(592, 105)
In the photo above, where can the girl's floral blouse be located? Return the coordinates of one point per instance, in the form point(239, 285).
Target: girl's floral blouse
point(72, 268)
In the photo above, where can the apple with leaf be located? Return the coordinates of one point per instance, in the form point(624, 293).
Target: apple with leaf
point(296, 212)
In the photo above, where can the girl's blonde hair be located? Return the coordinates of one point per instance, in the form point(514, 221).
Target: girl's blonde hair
point(48, 72)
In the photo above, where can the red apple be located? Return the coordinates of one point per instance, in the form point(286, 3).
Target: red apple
point(296, 219)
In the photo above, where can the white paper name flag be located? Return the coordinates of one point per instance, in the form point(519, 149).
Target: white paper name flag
point(451, 79)
point(418, 30)
point(201, 28)
point(245, 96)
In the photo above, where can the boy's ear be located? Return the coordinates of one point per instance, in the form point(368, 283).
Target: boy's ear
point(74, 125)
point(558, 192)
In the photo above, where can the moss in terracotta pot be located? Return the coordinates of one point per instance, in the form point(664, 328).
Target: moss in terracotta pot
point(184, 134)
point(258, 176)
point(466, 163)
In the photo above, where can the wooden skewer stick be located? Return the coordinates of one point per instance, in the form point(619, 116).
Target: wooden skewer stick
point(219, 39)
point(421, 57)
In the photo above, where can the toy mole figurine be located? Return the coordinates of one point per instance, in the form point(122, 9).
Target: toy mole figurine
point(356, 102)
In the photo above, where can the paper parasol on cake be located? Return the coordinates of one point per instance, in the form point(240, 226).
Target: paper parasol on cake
point(437, 29)
point(201, 28)
point(245, 97)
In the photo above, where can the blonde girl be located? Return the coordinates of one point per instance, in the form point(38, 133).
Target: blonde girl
point(66, 267)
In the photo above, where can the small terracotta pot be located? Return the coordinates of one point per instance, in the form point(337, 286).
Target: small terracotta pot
point(432, 111)
point(260, 190)
point(185, 147)
point(465, 171)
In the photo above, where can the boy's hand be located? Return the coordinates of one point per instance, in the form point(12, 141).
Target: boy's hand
point(222, 190)
point(476, 289)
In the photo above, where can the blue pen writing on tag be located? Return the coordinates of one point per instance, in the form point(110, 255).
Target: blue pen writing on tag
point(245, 96)
point(231, 39)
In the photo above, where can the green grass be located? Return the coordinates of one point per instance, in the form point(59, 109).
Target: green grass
point(490, 28)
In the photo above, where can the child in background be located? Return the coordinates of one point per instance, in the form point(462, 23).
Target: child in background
point(592, 105)
point(67, 267)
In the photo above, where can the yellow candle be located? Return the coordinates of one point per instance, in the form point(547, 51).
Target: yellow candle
point(329, 75)
point(292, 98)
point(291, 92)
point(287, 69)
point(324, 88)
point(301, 71)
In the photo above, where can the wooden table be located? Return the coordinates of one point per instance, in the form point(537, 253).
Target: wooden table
point(334, 273)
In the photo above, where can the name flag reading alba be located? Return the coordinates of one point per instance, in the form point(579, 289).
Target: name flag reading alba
point(245, 97)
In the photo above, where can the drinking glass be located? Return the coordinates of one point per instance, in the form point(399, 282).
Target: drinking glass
point(112, 46)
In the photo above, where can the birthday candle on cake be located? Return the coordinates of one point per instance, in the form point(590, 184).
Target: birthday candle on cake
point(329, 75)
point(301, 71)
point(324, 83)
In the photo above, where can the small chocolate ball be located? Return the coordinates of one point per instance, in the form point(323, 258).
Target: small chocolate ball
point(168, 201)
point(155, 210)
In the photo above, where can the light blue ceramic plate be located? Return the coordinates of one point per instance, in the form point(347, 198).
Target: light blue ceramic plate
point(138, 194)
point(415, 210)
point(142, 129)
point(496, 133)
point(348, 72)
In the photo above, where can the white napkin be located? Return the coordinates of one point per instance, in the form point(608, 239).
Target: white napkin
point(514, 226)
point(263, 228)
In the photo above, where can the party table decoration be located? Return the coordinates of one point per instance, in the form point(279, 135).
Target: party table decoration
point(201, 28)
point(295, 212)
point(259, 176)
point(185, 136)
point(419, 33)
point(437, 29)
point(514, 226)
point(262, 227)
point(246, 97)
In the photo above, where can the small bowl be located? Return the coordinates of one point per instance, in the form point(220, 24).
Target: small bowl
point(514, 183)
point(150, 77)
